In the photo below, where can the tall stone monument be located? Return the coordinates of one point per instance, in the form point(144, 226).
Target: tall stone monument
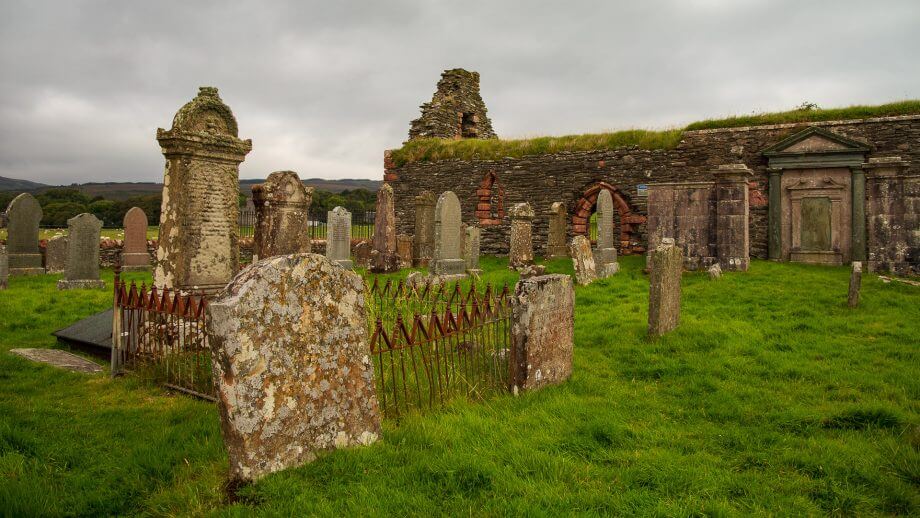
point(424, 228)
point(198, 247)
point(665, 266)
point(56, 254)
point(82, 269)
point(293, 374)
point(134, 255)
point(521, 253)
point(383, 256)
point(338, 237)
point(4, 268)
point(555, 240)
point(282, 215)
point(23, 216)
point(448, 237)
point(471, 249)
point(605, 255)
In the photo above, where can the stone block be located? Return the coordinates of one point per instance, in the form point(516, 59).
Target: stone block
point(542, 331)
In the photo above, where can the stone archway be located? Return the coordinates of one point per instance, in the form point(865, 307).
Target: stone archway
point(628, 219)
point(490, 210)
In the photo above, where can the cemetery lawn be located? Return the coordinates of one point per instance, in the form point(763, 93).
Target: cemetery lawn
point(772, 397)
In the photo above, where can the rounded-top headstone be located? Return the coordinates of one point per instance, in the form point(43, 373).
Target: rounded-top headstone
point(23, 217)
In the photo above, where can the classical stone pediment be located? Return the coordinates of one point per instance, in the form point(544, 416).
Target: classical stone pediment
point(816, 147)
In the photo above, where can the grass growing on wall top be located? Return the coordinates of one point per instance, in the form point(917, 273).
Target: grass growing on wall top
point(433, 150)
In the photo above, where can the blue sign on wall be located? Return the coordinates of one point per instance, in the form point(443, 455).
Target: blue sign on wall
point(642, 189)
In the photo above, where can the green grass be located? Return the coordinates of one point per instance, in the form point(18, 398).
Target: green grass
point(111, 233)
point(771, 398)
point(433, 150)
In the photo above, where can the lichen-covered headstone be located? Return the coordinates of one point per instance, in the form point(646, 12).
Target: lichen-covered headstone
point(23, 216)
point(362, 254)
point(555, 240)
point(290, 356)
point(542, 331)
point(198, 245)
point(134, 255)
point(4, 268)
point(605, 255)
point(56, 254)
point(583, 260)
point(82, 270)
point(855, 284)
point(383, 256)
point(423, 239)
point(404, 250)
point(521, 251)
point(282, 215)
point(448, 237)
point(338, 237)
point(471, 248)
point(715, 271)
point(665, 267)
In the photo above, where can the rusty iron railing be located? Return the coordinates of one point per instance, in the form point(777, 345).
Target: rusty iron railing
point(433, 343)
point(161, 334)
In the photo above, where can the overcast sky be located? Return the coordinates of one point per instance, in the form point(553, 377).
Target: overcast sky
point(323, 88)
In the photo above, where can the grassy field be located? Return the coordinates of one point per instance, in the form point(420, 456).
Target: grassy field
point(771, 398)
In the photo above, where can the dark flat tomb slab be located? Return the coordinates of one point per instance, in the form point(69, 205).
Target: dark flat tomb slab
point(60, 359)
point(93, 334)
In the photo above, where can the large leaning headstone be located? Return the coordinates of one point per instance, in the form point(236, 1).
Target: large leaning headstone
point(4, 268)
point(82, 269)
point(134, 255)
point(198, 245)
point(471, 249)
point(605, 255)
point(384, 258)
point(448, 237)
point(542, 331)
point(521, 251)
point(282, 215)
point(294, 375)
point(583, 260)
point(338, 237)
point(23, 216)
point(665, 267)
point(56, 254)
point(555, 240)
point(423, 240)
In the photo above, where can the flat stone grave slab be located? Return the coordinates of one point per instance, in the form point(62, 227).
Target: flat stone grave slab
point(60, 359)
point(93, 333)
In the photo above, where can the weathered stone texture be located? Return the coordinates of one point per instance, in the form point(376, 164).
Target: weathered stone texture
point(198, 247)
point(555, 240)
point(291, 364)
point(134, 255)
point(893, 213)
point(471, 248)
point(338, 237)
point(542, 331)
point(4, 268)
point(282, 215)
point(56, 254)
point(424, 228)
point(404, 250)
point(665, 267)
point(448, 237)
point(383, 257)
point(23, 216)
point(456, 110)
point(521, 249)
point(583, 260)
point(82, 270)
point(362, 254)
point(855, 284)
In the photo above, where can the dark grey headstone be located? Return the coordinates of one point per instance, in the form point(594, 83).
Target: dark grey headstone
point(24, 214)
point(82, 269)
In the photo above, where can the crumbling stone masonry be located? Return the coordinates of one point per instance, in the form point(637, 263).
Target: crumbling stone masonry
point(542, 331)
point(198, 248)
point(893, 193)
point(456, 110)
point(291, 364)
point(282, 215)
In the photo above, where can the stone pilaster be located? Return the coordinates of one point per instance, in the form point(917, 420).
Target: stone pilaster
point(858, 207)
point(775, 242)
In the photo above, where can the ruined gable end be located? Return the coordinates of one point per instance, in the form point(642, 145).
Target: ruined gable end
point(456, 110)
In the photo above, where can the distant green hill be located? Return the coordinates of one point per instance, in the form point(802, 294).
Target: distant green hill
point(13, 184)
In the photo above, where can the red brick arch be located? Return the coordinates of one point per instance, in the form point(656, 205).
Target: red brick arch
point(491, 206)
point(628, 220)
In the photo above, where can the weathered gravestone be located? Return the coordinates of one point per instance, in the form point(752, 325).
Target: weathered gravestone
point(855, 284)
point(605, 255)
point(665, 267)
point(134, 255)
point(4, 268)
point(362, 254)
point(424, 228)
point(338, 237)
point(383, 256)
point(471, 249)
point(404, 250)
point(198, 245)
point(448, 237)
point(282, 215)
point(82, 270)
point(542, 331)
point(555, 240)
point(56, 254)
point(715, 271)
point(23, 216)
point(583, 260)
point(290, 356)
point(521, 252)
